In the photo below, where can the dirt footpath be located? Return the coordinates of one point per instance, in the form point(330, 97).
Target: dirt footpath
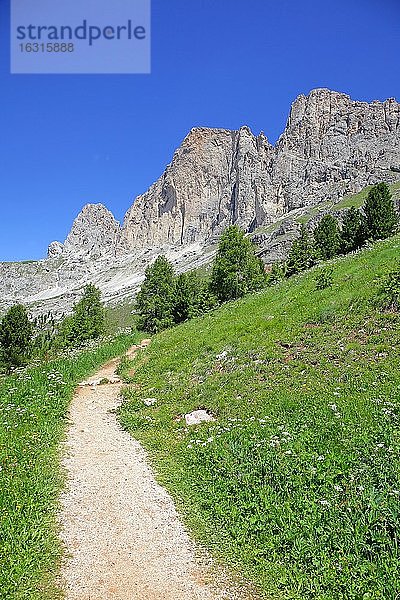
point(123, 537)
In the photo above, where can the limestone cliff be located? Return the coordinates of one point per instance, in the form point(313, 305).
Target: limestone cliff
point(331, 146)
point(216, 177)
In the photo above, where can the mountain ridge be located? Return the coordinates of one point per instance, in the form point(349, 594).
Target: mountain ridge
point(331, 147)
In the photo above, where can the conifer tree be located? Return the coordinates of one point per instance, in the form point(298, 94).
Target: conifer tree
point(327, 237)
point(236, 269)
point(380, 215)
point(88, 315)
point(16, 334)
point(353, 234)
point(302, 254)
point(276, 274)
point(155, 300)
point(87, 321)
point(191, 297)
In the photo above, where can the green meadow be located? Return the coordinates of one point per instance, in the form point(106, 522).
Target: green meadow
point(295, 484)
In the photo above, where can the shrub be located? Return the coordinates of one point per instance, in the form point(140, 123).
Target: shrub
point(324, 278)
point(44, 327)
point(389, 293)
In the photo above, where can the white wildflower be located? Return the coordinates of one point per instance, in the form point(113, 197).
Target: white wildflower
point(324, 502)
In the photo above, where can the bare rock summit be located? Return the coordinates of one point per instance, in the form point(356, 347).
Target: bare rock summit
point(331, 146)
point(95, 233)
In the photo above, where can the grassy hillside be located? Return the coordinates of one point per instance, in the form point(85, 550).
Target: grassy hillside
point(297, 480)
point(358, 200)
point(32, 423)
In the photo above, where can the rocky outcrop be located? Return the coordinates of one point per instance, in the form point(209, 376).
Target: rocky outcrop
point(216, 177)
point(55, 249)
point(94, 234)
point(331, 146)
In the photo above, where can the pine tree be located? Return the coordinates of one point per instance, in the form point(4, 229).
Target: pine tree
point(302, 254)
point(236, 269)
point(353, 234)
point(276, 274)
point(89, 314)
point(327, 237)
point(380, 215)
point(191, 297)
point(16, 334)
point(155, 301)
point(87, 321)
point(186, 297)
point(45, 330)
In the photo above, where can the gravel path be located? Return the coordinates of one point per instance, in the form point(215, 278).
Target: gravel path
point(123, 537)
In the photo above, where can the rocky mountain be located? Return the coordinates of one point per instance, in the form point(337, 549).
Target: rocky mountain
point(331, 146)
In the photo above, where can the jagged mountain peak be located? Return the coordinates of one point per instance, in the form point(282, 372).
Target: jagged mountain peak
point(331, 146)
point(95, 233)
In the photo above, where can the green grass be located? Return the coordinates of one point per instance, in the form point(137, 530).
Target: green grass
point(358, 200)
point(33, 408)
point(312, 212)
point(296, 483)
point(120, 316)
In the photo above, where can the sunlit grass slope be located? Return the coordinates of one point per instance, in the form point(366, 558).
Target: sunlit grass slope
point(296, 482)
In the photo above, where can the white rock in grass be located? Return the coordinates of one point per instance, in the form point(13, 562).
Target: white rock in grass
point(149, 401)
point(198, 416)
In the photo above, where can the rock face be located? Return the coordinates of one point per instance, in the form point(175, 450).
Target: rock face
point(331, 146)
point(94, 234)
point(216, 177)
point(55, 249)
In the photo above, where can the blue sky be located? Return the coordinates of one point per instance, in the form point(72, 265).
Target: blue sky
point(66, 140)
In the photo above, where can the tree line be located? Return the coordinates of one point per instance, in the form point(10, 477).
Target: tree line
point(22, 339)
point(377, 219)
point(166, 299)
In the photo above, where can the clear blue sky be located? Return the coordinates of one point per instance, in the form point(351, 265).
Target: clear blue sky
point(66, 140)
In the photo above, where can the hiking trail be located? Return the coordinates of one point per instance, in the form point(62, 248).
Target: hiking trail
point(123, 537)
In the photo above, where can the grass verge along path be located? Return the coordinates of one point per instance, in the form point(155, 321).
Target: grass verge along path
point(33, 408)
